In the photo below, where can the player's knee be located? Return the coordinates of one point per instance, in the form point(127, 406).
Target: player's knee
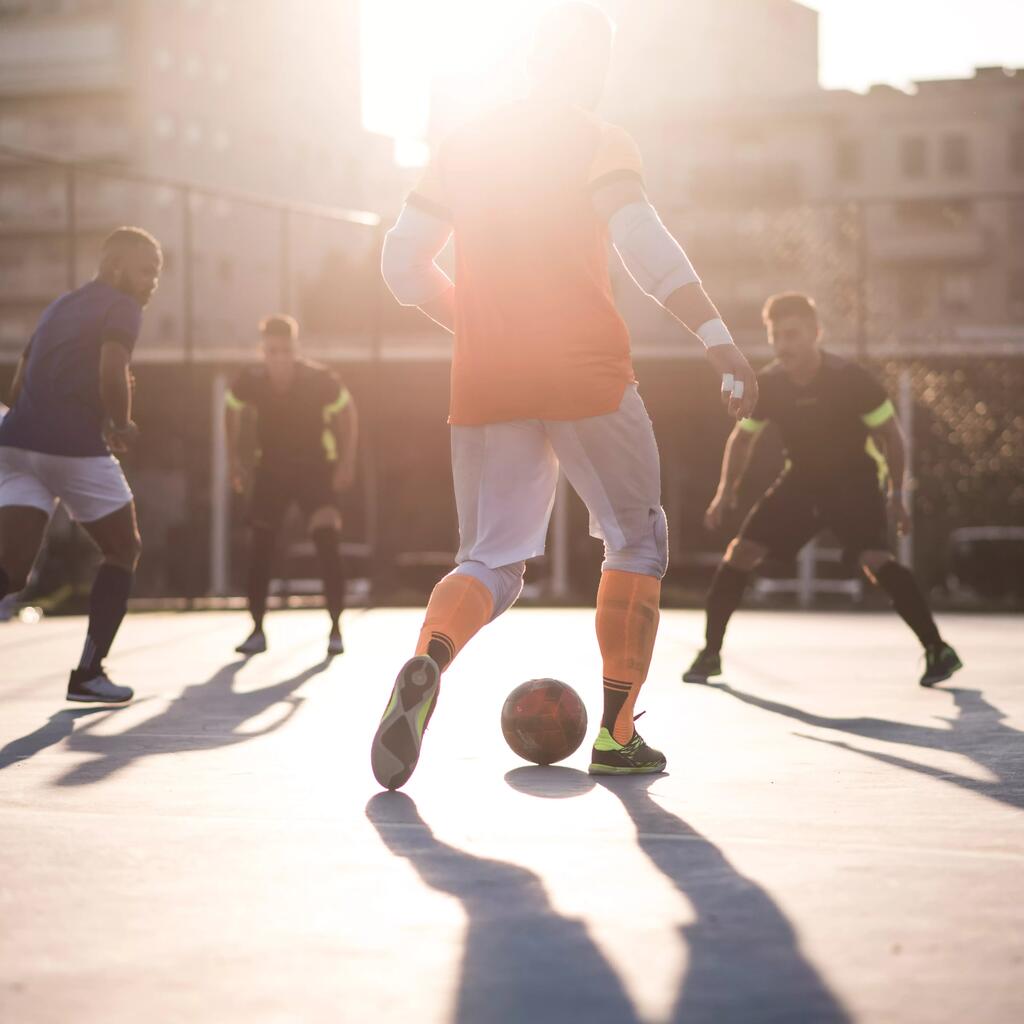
point(873, 561)
point(504, 583)
point(744, 555)
point(125, 554)
point(646, 556)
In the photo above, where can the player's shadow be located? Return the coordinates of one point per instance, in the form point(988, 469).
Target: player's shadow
point(978, 731)
point(521, 961)
point(743, 958)
point(59, 726)
point(205, 716)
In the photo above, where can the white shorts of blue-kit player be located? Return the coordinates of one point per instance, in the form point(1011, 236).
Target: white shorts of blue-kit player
point(505, 478)
point(90, 487)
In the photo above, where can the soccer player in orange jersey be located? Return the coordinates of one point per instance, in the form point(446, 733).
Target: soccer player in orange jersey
point(541, 374)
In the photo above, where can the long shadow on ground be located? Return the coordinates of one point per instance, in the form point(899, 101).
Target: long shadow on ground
point(205, 716)
point(744, 961)
point(522, 961)
point(59, 726)
point(978, 732)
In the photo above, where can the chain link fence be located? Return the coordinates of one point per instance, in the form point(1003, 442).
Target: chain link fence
point(929, 293)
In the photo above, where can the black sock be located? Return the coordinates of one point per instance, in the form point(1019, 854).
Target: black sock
point(261, 558)
point(5, 584)
point(723, 599)
point(325, 540)
point(107, 604)
point(899, 583)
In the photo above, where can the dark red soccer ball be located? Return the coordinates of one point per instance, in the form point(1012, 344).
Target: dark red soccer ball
point(544, 720)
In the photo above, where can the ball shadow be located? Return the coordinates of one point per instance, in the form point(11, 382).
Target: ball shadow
point(550, 781)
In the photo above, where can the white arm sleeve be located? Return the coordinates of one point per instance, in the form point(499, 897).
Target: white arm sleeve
point(407, 260)
point(654, 259)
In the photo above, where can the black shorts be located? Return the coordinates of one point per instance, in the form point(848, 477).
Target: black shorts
point(275, 488)
point(793, 511)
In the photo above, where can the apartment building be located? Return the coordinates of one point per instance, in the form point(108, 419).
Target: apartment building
point(255, 95)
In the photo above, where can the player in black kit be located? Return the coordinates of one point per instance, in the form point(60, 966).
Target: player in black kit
point(306, 427)
point(843, 445)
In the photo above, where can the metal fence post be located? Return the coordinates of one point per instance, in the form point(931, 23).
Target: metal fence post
point(559, 585)
point(219, 489)
point(906, 416)
point(191, 405)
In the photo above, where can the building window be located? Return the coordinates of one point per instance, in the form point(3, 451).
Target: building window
point(848, 160)
point(958, 291)
point(914, 156)
point(1017, 152)
point(913, 294)
point(956, 156)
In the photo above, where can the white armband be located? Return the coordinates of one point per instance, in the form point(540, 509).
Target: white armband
point(407, 260)
point(713, 333)
point(654, 259)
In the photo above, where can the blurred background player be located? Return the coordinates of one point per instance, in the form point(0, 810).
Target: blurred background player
point(71, 406)
point(307, 432)
point(843, 445)
point(542, 376)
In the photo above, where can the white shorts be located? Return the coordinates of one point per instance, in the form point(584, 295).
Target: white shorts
point(91, 487)
point(505, 476)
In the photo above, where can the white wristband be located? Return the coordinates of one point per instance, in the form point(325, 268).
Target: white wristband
point(714, 333)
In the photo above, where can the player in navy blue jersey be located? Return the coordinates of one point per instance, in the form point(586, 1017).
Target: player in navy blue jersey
point(844, 472)
point(71, 409)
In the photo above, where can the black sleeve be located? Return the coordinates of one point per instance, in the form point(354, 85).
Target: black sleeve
point(866, 393)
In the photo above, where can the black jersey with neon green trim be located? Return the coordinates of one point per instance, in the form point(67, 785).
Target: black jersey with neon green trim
point(292, 425)
point(826, 424)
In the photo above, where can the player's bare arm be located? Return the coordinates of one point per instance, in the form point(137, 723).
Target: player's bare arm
point(889, 438)
point(344, 425)
point(409, 264)
point(735, 459)
point(116, 392)
point(662, 270)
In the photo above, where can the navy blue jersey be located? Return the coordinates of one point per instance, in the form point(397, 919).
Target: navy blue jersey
point(59, 410)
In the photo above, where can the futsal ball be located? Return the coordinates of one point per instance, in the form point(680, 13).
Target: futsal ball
point(544, 720)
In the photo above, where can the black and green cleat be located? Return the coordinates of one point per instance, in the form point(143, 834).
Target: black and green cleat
point(396, 746)
point(940, 662)
point(705, 665)
point(633, 758)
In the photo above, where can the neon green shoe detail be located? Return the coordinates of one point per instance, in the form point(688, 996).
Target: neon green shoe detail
point(633, 758)
point(605, 741)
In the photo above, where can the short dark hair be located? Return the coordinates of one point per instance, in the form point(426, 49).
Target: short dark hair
point(789, 304)
point(124, 239)
point(280, 325)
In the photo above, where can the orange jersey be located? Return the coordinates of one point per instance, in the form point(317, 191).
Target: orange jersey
point(537, 334)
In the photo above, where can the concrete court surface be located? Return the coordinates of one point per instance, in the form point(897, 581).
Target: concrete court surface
point(832, 842)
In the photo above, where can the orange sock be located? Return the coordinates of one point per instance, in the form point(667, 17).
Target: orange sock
point(627, 623)
point(459, 607)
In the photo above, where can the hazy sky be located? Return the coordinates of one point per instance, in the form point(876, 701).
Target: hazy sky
point(862, 42)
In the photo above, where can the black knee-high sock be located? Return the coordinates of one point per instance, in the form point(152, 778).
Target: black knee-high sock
point(899, 583)
point(5, 584)
point(261, 559)
point(325, 540)
point(723, 599)
point(108, 602)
